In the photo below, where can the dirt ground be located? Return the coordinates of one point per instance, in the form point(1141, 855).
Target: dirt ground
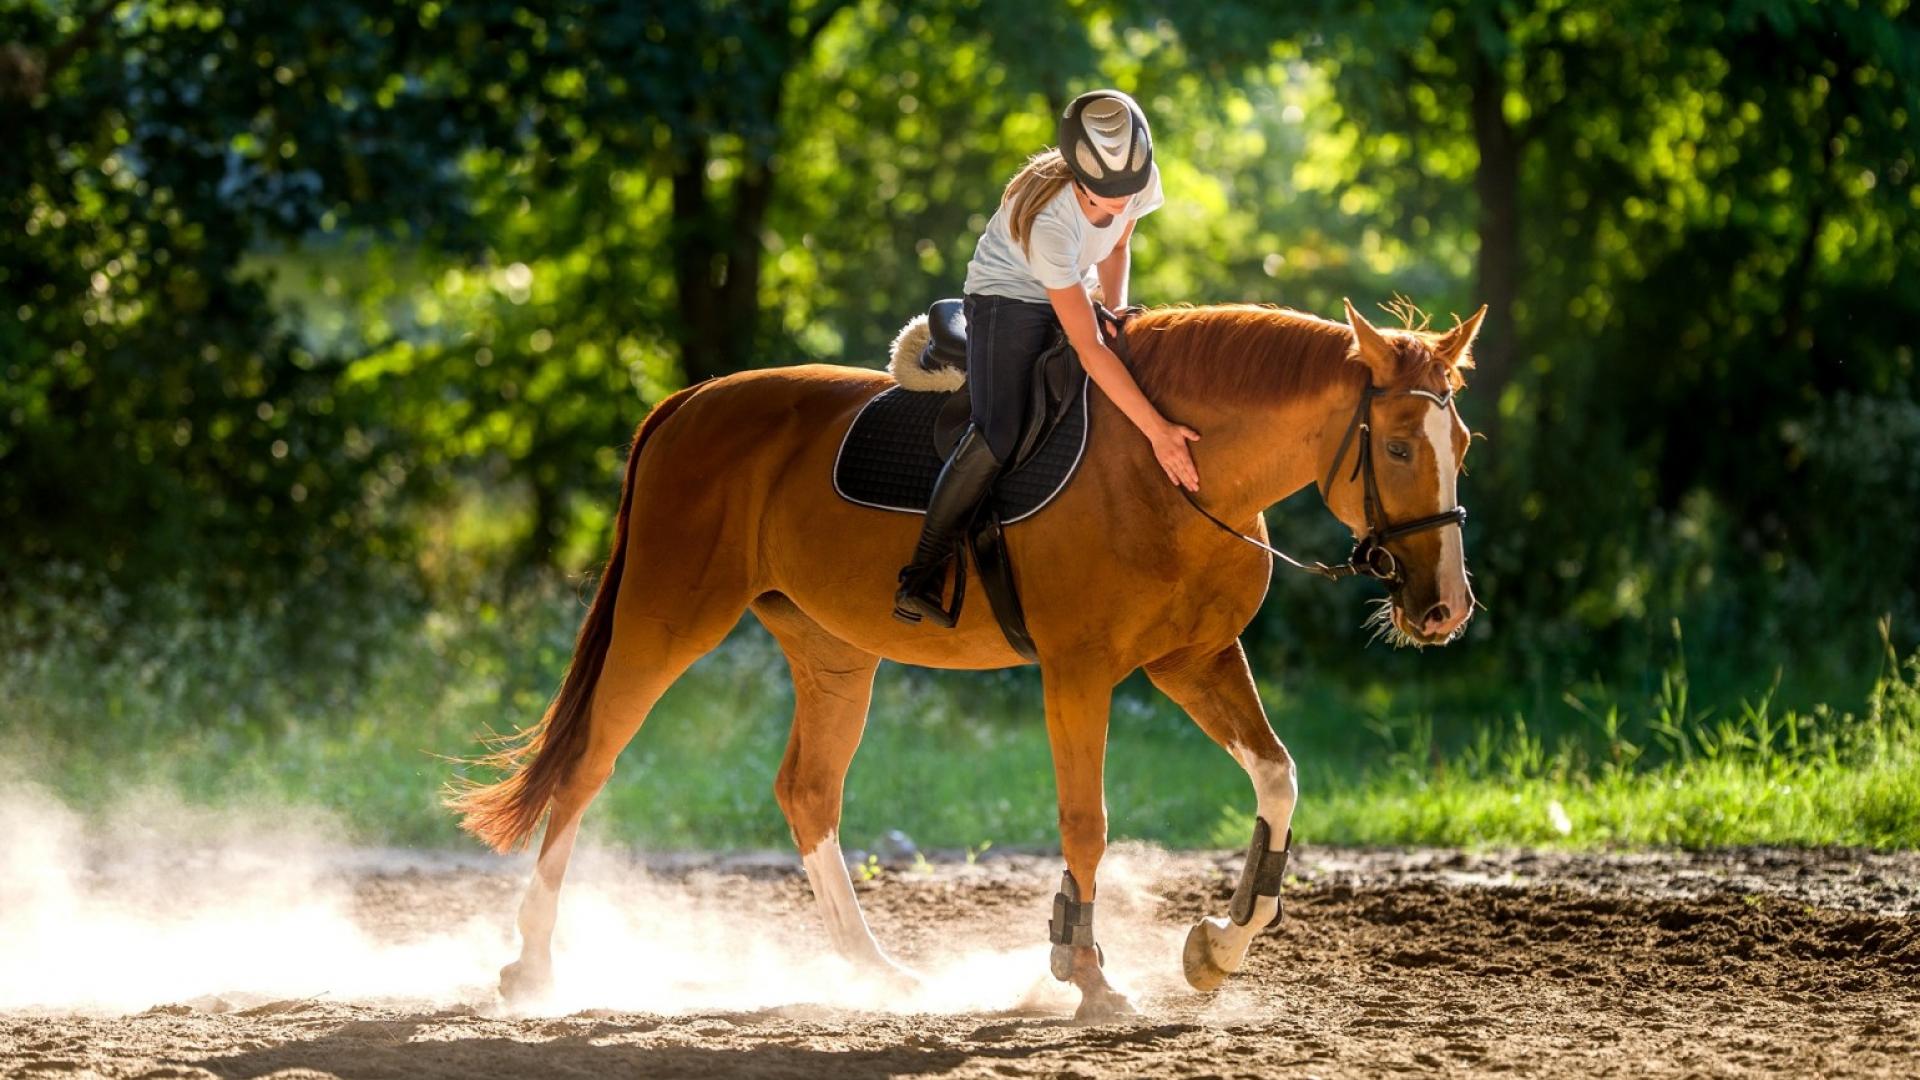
point(1754, 962)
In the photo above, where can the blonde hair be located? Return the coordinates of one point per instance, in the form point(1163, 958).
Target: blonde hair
point(1037, 182)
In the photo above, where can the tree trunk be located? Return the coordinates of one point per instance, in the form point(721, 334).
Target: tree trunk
point(716, 267)
point(717, 250)
point(740, 293)
point(1497, 184)
point(703, 329)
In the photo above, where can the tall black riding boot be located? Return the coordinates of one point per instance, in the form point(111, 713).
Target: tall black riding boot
point(965, 478)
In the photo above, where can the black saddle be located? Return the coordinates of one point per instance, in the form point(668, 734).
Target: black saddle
point(946, 336)
point(893, 452)
point(1053, 392)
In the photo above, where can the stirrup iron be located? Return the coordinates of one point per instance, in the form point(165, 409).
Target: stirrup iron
point(932, 589)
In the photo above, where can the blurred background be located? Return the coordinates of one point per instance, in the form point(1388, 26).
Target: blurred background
point(324, 328)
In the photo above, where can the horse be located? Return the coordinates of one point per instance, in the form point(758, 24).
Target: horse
point(728, 506)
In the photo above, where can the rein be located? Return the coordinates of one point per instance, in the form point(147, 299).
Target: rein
point(1370, 557)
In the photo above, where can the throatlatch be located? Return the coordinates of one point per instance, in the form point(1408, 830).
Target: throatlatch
point(1261, 876)
point(1071, 926)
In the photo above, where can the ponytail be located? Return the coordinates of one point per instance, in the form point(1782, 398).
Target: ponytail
point(1035, 185)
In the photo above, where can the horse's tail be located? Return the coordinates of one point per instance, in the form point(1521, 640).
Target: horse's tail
point(538, 759)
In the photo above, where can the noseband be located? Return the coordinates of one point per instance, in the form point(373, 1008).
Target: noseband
point(1370, 557)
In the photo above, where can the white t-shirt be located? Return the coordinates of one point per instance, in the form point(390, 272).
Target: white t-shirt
point(1065, 246)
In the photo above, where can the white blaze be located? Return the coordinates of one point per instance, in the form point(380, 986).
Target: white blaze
point(1452, 571)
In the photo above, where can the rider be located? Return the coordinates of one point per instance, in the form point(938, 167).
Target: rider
point(1062, 228)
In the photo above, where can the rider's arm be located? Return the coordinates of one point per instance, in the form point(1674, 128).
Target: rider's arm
point(1113, 271)
point(1075, 310)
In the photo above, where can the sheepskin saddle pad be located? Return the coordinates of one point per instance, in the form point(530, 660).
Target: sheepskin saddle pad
point(892, 453)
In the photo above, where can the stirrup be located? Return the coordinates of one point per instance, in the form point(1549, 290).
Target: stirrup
point(922, 588)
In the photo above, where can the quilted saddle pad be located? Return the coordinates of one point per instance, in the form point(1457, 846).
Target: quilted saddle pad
point(887, 460)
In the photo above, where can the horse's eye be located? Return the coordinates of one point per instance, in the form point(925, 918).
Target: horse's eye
point(1400, 451)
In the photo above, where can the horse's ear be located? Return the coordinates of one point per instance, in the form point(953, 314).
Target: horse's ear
point(1374, 350)
point(1452, 348)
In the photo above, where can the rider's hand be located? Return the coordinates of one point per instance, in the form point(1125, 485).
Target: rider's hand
point(1114, 323)
point(1170, 447)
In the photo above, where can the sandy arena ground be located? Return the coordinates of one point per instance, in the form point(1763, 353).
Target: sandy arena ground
point(1723, 964)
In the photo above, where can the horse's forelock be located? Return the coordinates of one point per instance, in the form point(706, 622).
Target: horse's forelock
point(1415, 341)
point(1419, 363)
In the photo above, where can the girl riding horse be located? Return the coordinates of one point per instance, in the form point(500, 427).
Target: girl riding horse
point(728, 506)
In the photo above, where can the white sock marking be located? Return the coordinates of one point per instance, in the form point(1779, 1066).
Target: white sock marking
point(542, 902)
point(839, 908)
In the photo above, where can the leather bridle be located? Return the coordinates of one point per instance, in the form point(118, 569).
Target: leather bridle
point(1370, 557)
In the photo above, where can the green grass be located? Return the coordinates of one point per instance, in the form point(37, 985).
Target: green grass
point(202, 708)
point(1752, 778)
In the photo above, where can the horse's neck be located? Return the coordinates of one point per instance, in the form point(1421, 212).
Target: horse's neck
point(1251, 457)
point(1256, 448)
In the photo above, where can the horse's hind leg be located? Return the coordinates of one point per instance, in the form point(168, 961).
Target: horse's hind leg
point(649, 650)
point(1216, 688)
point(832, 685)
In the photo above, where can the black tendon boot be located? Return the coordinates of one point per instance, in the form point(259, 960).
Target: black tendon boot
point(964, 479)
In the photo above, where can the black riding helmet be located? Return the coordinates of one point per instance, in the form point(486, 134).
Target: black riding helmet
point(1104, 138)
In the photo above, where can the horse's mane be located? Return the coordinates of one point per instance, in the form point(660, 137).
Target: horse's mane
point(1262, 353)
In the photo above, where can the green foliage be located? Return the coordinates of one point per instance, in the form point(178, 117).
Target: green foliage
point(160, 417)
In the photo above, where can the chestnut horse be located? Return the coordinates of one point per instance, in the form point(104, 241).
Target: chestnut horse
point(728, 505)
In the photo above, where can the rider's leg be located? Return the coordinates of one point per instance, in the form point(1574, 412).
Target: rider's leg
point(1001, 354)
point(965, 478)
point(1004, 336)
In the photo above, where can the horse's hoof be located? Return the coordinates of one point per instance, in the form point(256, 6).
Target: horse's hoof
point(1196, 960)
point(521, 984)
point(899, 979)
point(1099, 1005)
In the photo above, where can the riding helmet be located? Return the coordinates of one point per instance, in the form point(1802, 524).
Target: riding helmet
point(1104, 137)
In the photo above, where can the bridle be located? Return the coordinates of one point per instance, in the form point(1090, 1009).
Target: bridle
point(1370, 557)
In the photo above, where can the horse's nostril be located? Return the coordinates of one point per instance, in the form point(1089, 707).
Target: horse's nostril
point(1437, 615)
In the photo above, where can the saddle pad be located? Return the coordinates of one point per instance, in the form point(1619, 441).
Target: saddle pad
point(886, 460)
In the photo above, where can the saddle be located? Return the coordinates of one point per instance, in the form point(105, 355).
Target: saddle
point(894, 449)
point(1056, 386)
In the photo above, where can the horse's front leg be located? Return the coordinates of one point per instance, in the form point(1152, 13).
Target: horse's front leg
point(1216, 688)
point(1077, 705)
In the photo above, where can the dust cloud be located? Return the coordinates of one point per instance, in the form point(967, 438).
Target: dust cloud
point(154, 902)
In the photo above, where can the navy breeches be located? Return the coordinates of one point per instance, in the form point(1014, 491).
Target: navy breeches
point(1004, 340)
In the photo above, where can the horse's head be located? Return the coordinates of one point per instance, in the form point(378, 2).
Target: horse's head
point(1414, 445)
